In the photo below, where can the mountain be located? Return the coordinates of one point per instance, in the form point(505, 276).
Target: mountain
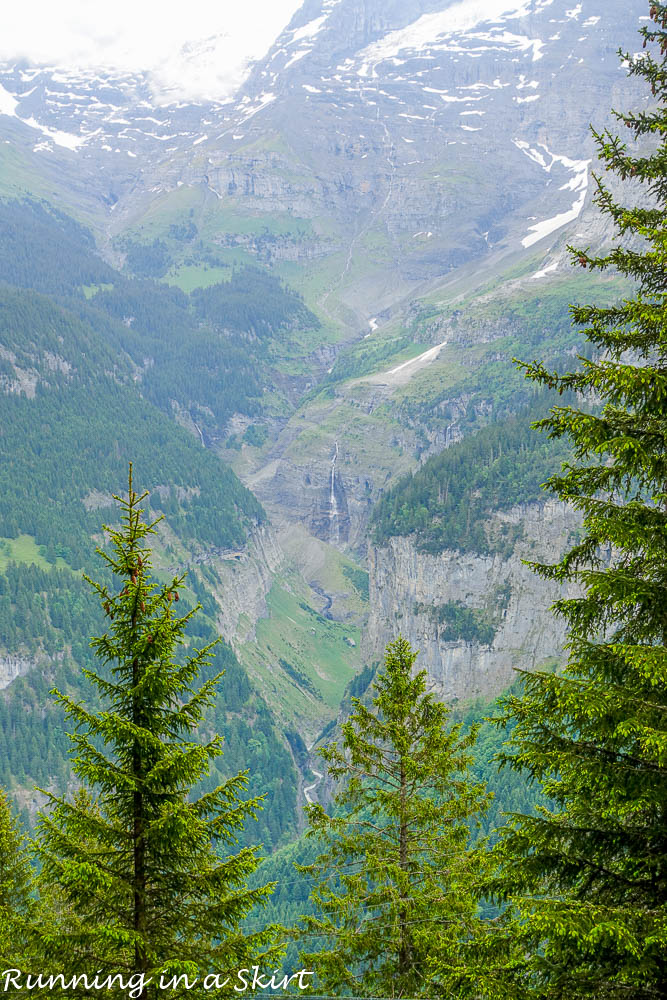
point(407, 138)
point(306, 298)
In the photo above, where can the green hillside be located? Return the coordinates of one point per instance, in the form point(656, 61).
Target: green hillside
point(94, 366)
point(445, 503)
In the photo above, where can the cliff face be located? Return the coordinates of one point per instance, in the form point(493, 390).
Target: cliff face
point(12, 667)
point(245, 578)
point(474, 618)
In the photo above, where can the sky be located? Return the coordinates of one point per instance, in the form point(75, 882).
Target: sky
point(191, 48)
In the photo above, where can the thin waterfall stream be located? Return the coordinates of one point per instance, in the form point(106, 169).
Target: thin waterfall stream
point(334, 513)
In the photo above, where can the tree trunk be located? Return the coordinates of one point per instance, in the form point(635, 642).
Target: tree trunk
point(405, 949)
point(138, 836)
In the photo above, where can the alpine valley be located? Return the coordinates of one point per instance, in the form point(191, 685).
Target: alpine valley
point(304, 298)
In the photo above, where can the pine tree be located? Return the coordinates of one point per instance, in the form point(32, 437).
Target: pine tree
point(135, 855)
point(589, 874)
point(17, 909)
point(399, 882)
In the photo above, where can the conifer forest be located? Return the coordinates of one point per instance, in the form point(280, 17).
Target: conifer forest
point(333, 500)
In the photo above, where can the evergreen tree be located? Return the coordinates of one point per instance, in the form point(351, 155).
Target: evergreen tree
point(589, 874)
point(16, 880)
point(134, 855)
point(399, 885)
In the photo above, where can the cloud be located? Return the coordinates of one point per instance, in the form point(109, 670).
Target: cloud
point(193, 49)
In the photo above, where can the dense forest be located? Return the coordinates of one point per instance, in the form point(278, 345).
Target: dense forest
point(93, 363)
point(203, 354)
point(48, 616)
point(444, 505)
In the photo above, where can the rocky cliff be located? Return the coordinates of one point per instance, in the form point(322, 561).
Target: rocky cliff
point(474, 618)
point(12, 667)
point(244, 579)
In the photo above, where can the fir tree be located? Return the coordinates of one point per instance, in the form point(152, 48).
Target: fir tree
point(399, 883)
point(589, 874)
point(17, 908)
point(135, 856)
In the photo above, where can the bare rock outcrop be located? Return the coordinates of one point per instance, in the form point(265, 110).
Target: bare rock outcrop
point(505, 604)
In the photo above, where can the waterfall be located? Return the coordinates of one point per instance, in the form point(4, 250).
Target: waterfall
point(334, 513)
point(330, 518)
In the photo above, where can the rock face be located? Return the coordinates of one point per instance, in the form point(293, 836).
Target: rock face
point(246, 577)
point(298, 482)
point(510, 603)
point(331, 517)
point(12, 667)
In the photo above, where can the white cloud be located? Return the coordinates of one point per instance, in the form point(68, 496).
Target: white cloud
point(197, 49)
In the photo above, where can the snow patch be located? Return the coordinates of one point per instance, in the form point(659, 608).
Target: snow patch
point(549, 226)
point(578, 184)
point(461, 17)
point(545, 270)
point(308, 30)
point(65, 139)
point(448, 99)
point(414, 364)
point(532, 154)
point(296, 57)
point(8, 102)
point(261, 102)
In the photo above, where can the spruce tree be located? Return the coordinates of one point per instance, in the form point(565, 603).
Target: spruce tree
point(399, 883)
point(138, 858)
point(589, 873)
point(17, 907)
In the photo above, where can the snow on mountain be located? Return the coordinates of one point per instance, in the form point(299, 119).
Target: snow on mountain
point(441, 29)
point(465, 120)
point(507, 87)
point(96, 113)
point(578, 183)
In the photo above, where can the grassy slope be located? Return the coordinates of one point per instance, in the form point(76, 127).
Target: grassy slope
point(25, 550)
point(378, 425)
point(315, 647)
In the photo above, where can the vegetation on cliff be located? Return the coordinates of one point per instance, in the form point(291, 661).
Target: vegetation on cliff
point(445, 503)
